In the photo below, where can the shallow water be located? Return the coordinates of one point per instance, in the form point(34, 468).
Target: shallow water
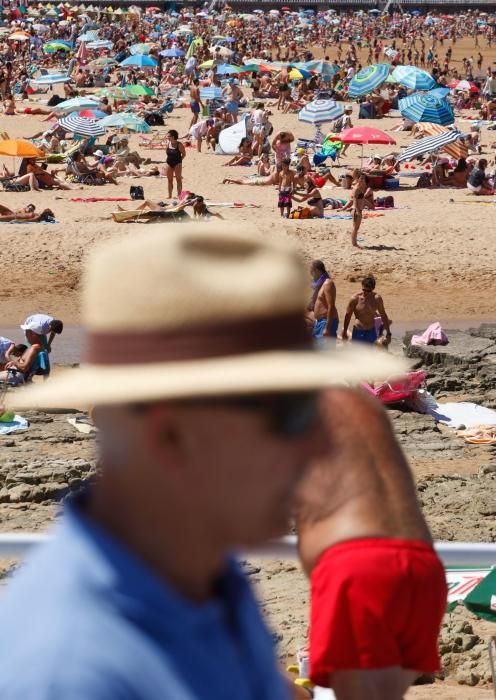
point(66, 349)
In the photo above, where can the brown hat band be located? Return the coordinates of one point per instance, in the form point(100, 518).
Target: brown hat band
point(199, 342)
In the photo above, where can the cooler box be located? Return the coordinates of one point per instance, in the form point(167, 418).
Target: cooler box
point(392, 183)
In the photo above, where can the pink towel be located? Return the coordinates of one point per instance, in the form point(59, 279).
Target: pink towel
point(433, 335)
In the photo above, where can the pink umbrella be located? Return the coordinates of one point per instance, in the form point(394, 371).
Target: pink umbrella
point(365, 134)
point(82, 53)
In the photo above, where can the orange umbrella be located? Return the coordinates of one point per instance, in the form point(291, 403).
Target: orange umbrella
point(19, 148)
point(457, 149)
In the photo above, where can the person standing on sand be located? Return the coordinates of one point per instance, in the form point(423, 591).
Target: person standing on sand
point(42, 329)
point(368, 552)
point(195, 103)
point(366, 306)
point(204, 392)
point(323, 302)
point(285, 187)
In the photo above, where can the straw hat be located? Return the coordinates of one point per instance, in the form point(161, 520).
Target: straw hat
point(189, 311)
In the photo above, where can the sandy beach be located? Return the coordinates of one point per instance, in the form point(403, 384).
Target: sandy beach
point(433, 258)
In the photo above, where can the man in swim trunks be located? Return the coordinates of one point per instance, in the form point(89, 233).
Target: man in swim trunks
point(285, 187)
point(366, 306)
point(323, 302)
point(378, 589)
point(195, 103)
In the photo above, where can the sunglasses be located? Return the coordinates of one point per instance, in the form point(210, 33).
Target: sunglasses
point(288, 415)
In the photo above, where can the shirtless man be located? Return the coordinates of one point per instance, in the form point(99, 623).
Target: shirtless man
point(378, 589)
point(285, 187)
point(366, 305)
point(323, 302)
point(195, 103)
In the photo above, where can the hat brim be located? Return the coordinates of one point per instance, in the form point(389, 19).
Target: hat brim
point(267, 372)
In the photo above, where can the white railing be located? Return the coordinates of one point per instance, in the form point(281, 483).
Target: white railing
point(469, 554)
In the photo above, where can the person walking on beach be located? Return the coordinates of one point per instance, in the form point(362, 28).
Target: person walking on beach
point(364, 543)
point(366, 306)
point(323, 302)
point(203, 392)
point(175, 154)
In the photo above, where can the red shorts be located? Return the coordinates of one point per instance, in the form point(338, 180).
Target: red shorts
point(376, 603)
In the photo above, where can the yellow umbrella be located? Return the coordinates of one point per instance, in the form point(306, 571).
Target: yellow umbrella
point(294, 74)
point(19, 148)
point(207, 64)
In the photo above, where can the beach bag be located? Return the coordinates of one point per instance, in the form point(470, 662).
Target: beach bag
point(424, 180)
point(385, 202)
point(300, 213)
point(136, 192)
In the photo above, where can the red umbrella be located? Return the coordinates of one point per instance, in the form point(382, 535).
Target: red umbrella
point(465, 85)
point(82, 54)
point(365, 134)
point(285, 8)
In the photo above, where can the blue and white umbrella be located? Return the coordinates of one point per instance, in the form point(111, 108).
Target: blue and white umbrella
point(89, 36)
point(431, 144)
point(81, 125)
point(424, 107)
point(51, 79)
point(320, 67)
point(99, 44)
point(172, 53)
point(320, 111)
point(139, 61)
point(414, 78)
point(75, 104)
point(368, 79)
point(440, 92)
point(211, 93)
point(227, 69)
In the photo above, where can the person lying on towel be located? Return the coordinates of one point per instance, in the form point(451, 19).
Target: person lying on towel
point(378, 589)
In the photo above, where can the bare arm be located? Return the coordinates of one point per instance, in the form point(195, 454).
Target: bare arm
point(330, 297)
point(349, 313)
point(25, 362)
point(383, 315)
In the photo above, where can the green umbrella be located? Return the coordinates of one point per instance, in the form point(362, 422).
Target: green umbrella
point(56, 46)
point(138, 90)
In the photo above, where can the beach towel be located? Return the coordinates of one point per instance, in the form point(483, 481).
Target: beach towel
point(148, 216)
point(433, 335)
point(462, 413)
point(30, 222)
point(100, 199)
point(18, 423)
point(366, 215)
point(233, 205)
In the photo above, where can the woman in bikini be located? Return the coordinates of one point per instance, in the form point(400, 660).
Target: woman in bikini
point(175, 153)
point(244, 155)
point(313, 200)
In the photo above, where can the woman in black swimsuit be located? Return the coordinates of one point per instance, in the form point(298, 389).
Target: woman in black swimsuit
point(176, 153)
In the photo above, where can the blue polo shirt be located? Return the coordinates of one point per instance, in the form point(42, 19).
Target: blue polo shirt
point(86, 620)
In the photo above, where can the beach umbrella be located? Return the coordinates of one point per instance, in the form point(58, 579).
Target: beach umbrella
point(363, 135)
point(141, 48)
point(366, 80)
point(211, 93)
point(227, 69)
point(456, 149)
point(99, 44)
point(414, 78)
point(320, 67)
point(75, 104)
point(299, 74)
point(116, 93)
point(255, 68)
point(53, 79)
point(207, 64)
point(55, 46)
point(431, 144)
point(102, 62)
point(125, 120)
point(91, 114)
point(172, 53)
point(426, 108)
point(320, 112)
point(464, 85)
point(440, 92)
point(138, 90)
point(19, 148)
point(222, 50)
point(89, 36)
point(81, 125)
point(140, 61)
point(19, 36)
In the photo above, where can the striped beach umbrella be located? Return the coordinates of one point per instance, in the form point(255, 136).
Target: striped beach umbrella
point(320, 67)
point(456, 149)
point(426, 108)
point(414, 78)
point(431, 144)
point(320, 112)
point(125, 120)
point(99, 44)
point(366, 80)
point(211, 93)
point(227, 69)
point(81, 125)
